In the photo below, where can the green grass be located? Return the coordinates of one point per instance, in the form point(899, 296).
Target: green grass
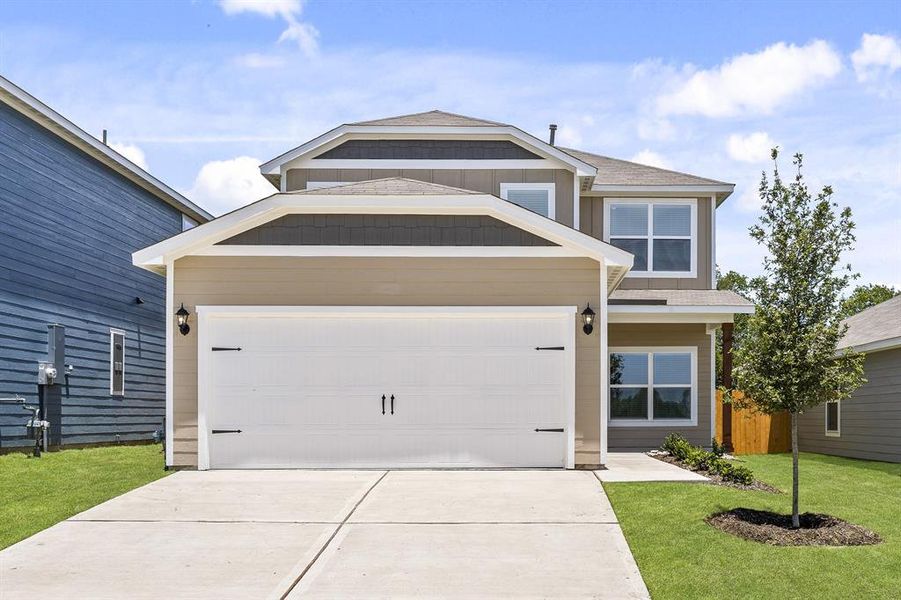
point(680, 556)
point(35, 493)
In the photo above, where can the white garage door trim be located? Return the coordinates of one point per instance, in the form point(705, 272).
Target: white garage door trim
point(206, 313)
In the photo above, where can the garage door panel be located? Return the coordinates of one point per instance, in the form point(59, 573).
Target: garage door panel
point(306, 392)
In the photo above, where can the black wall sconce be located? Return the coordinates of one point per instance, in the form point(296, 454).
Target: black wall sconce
point(588, 320)
point(181, 315)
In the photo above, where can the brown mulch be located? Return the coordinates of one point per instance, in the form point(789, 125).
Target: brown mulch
point(757, 486)
point(775, 529)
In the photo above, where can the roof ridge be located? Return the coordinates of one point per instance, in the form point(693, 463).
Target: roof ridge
point(437, 111)
point(895, 298)
point(417, 182)
point(632, 162)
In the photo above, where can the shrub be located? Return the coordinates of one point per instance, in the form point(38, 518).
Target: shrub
point(698, 459)
point(717, 448)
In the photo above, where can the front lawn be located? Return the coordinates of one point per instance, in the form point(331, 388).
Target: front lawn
point(35, 493)
point(680, 556)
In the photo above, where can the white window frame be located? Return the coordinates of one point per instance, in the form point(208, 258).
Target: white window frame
point(187, 222)
point(838, 419)
point(650, 237)
point(550, 188)
point(321, 185)
point(651, 421)
point(112, 354)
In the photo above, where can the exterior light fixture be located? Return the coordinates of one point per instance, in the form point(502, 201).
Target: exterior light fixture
point(588, 320)
point(181, 316)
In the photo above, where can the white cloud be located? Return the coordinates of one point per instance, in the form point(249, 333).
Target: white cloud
point(569, 136)
point(651, 158)
point(132, 153)
point(224, 185)
point(255, 60)
point(878, 56)
point(753, 83)
point(754, 147)
point(305, 35)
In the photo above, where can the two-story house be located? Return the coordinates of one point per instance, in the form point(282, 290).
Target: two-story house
point(72, 211)
point(433, 290)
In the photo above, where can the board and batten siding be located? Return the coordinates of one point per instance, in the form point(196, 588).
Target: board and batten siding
point(293, 281)
point(654, 335)
point(67, 230)
point(487, 181)
point(870, 421)
point(591, 211)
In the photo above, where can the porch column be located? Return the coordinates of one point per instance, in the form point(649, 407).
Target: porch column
point(727, 383)
point(605, 369)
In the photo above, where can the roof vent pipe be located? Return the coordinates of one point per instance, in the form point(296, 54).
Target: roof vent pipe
point(553, 128)
point(104, 138)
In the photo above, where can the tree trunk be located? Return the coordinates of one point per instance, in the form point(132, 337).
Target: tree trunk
point(796, 519)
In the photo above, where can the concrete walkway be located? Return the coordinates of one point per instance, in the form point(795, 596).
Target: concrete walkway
point(333, 534)
point(638, 466)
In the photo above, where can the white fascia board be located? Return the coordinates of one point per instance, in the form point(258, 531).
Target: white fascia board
point(722, 191)
point(393, 251)
point(667, 309)
point(877, 346)
point(278, 205)
point(46, 117)
point(400, 312)
point(273, 167)
point(416, 163)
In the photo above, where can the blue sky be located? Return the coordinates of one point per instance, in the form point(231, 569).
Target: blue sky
point(202, 92)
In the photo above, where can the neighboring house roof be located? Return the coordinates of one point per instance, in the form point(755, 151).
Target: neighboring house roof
point(433, 118)
point(389, 186)
point(394, 195)
point(46, 117)
point(876, 328)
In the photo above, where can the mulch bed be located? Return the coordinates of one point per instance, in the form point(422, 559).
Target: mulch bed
point(757, 486)
point(775, 529)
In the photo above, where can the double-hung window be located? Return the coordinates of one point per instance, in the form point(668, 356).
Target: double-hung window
point(653, 386)
point(537, 197)
point(660, 232)
point(833, 419)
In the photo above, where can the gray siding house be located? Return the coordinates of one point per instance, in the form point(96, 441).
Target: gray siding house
point(868, 425)
point(72, 210)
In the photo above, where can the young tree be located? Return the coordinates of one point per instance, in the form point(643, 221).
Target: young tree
point(865, 296)
point(787, 360)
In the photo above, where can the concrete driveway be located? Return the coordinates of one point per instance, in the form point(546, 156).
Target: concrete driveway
point(336, 534)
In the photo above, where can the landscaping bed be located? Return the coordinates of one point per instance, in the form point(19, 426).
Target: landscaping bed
point(775, 529)
point(678, 451)
point(715, 478)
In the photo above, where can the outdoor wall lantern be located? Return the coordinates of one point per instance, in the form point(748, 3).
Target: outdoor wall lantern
point(588, 320)
point(181, 316)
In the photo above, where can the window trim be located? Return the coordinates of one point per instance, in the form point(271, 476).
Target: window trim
point(651, 421)
point(550, 188)
point(837, 432)
point(112, 341)
point(693, 237)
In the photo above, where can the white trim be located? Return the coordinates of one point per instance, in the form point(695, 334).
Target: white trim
point(650, 421)
point(711, 331)
point(277, 205)
point(603, 331)
point(838, 418)
point(321, 185)
point(393, 251)
point(508, 132)
point(550, 188)
point(693, 308)
point(170, 350)
point(878, 345)
point(693, 235)
point(46, 117)
point(113, 332)
point(577, 203)
point(206, 312)
point(703, 189)
point(420, 163)
point(688, 317)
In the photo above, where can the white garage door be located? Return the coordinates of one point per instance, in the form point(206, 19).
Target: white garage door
point(392, 388)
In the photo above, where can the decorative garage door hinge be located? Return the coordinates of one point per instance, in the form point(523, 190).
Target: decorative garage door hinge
point(226, 431)
point(549, 348)
point(221, 349)
point(555, 430)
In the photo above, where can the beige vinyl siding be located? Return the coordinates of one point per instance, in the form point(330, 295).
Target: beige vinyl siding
point(325, 281)
point(657, 334)
point(591, 210)
point(479, 180)
point(870, 421)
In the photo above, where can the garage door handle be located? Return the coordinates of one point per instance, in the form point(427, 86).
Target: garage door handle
point(221, 349)
point(557, 430)
point(392, 404)
point(549, 348)
point(383, 403)
point(226, 431)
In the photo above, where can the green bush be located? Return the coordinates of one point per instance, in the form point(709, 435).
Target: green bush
point(698, 459)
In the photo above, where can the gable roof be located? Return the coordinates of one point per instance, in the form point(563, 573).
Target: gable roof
point(615, 171)
point(434, 118)
point(388, 186)
point(377, 197)
point(32, 108)
point(876, 328)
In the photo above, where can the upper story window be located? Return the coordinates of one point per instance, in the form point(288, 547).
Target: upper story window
point(537, 197)
point(660, 232)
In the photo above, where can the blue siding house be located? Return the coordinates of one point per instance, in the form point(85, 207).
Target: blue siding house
point(72, 210)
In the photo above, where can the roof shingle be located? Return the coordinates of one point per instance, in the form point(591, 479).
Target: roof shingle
point(433, 118)
point(680, 297)
point(875, 324)
point(614, 171)
point(389, 186)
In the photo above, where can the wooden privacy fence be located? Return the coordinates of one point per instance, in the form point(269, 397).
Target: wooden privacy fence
point(753, 432)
